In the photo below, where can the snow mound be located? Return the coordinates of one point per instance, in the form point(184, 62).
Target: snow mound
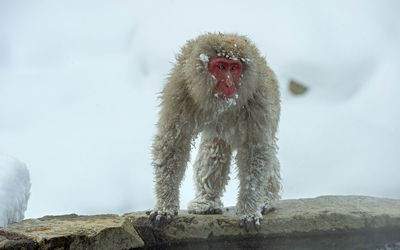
point(14, 190)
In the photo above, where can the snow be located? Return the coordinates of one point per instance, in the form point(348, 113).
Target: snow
point(14, 190)
point(204, 58)
point(79, 83)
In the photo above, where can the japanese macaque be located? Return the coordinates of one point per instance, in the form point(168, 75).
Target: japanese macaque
point(222, 88)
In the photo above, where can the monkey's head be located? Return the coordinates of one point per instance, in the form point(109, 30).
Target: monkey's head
point(220, 69)
point(227, 73)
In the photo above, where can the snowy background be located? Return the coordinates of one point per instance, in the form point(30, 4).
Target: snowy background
point(79, 82)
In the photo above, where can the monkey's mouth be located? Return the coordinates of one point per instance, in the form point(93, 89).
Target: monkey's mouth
point(226, 96)
point(225, 91)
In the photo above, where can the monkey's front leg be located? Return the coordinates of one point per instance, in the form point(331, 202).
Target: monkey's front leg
point(252, 160)
point(171, 150)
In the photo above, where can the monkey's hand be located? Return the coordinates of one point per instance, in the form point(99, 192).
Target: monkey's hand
point(250, 219)
point(161, 217)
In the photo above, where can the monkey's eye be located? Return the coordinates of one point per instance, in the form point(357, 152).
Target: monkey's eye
point(234, 67)
point(221, 67)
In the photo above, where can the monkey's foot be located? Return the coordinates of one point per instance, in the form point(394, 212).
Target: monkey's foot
point(161, 217)
point(267, 209)
point(247, 220)
point(269, 205)
point(204, 206)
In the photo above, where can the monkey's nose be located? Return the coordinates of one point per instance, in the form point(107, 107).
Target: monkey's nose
point(229, 84)
point(229, 81)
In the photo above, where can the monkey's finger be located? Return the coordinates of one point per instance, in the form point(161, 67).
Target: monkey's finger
point(158, 218)
point(241, 223)
point(153, 215)
point(257, 225)
point(169, 218)
point(247, 226)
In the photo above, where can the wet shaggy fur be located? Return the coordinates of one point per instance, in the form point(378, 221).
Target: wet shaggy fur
point(246, 123)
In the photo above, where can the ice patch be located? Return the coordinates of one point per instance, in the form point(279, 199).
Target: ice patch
point(231, 101)
point(229, 55)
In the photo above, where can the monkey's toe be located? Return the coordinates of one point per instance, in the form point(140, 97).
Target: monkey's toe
point(160, 218)
point(268, 209)
point(247, 221)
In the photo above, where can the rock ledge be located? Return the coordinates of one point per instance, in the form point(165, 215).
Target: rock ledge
point(308, 223)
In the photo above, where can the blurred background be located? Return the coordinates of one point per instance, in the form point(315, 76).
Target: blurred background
point(79, 82)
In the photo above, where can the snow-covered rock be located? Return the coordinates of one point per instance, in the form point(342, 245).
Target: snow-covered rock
point(14, 190)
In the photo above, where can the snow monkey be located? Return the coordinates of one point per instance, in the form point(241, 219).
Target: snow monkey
point(222, 88)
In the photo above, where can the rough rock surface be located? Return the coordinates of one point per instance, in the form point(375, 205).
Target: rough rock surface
point(358, 221)
point(71, 232)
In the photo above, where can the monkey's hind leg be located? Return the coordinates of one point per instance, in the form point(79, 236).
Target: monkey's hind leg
point(211, 171)
point(273, 184)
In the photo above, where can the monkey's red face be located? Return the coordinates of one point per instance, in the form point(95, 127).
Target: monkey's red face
point(227, 72)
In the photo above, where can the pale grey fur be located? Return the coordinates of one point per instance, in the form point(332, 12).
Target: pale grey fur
point(247, 123)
